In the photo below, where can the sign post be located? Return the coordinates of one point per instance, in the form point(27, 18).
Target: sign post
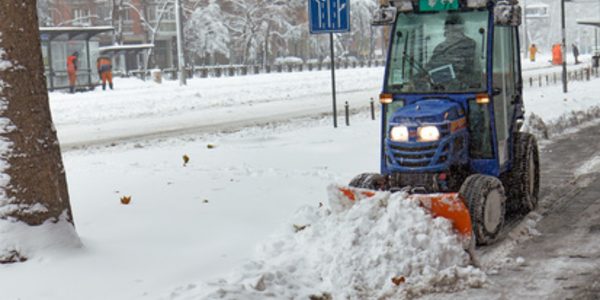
point(329, 16)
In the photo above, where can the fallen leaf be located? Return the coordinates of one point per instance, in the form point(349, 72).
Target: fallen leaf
point(205, 201)
point(323, 296)
point(186, 159)
point(125, 200)
point(211, 146)
point(298, 228)
point(398, 280)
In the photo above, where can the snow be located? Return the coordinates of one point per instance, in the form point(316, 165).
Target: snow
point(292, 60)
point(353, 254)
point(51, 239)
point(192, 231)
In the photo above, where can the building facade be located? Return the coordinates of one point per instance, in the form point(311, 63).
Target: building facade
point(135, 22)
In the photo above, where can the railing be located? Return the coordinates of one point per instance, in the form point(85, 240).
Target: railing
point(553, 78)
point(243, 70)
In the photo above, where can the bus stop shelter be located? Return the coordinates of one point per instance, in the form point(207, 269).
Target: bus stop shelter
point(596, 56)
point(60, 42)
point(126, 51)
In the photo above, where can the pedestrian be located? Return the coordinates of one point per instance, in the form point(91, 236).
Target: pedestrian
point(72, 62)
point(575, 53)
point(533, 50)
point(104, 66)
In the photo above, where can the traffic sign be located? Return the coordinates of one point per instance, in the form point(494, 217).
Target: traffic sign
point(329, 16)
point(438, 5)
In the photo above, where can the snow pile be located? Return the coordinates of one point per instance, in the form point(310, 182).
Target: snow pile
point(19, 241)
point(385, 247)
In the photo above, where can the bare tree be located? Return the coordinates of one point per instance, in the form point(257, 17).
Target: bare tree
point(33, 188)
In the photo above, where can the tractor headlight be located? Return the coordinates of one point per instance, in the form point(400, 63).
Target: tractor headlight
point(428, 134)
point(399, 134)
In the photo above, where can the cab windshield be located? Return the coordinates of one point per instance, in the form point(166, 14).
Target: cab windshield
point(443, 52)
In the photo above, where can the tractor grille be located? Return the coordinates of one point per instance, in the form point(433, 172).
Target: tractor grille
point(413, 156)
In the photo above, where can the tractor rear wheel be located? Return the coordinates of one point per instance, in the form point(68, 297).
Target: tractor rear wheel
point(524, 180)
point(486, 202)
point(371, 181)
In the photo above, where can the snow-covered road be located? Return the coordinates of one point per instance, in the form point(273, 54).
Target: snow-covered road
point(140, 110)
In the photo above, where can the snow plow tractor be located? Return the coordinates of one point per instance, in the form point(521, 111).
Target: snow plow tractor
point(452, 108)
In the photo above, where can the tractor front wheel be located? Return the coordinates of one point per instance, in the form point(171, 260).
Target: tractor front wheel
point(524, 180)
point(371, 181)
point(486, 202)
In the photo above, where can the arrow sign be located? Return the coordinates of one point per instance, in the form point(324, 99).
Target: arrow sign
point(329, 16)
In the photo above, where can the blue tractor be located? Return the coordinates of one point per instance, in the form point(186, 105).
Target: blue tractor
point(452, 109)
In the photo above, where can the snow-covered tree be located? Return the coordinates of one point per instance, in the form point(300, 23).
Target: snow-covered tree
point(259, 25)
point(363, 35)
point(43, 11)
point(206, 32)
point(33, 188)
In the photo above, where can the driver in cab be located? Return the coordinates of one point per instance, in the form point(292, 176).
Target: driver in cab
point(452, 63)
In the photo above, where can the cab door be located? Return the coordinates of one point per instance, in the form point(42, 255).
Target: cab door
point(504, 87)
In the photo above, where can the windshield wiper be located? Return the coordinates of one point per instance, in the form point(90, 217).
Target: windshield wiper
point(413, 63)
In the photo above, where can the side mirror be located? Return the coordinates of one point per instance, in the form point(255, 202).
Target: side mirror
point(507, 13)
point(384, 16)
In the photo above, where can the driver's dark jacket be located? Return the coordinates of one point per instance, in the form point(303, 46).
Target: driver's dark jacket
point(459, 51)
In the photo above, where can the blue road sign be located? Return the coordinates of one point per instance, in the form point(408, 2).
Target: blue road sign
point(328, 16)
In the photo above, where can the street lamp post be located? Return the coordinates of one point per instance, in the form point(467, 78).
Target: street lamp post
point(180, 56)
point(564, 46)
point(525, 37)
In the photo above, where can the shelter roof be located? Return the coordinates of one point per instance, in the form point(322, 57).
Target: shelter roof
point(73, 33)
point(589, 22)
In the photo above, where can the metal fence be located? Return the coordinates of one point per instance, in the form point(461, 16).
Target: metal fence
point(553, 78)
point(244, 70)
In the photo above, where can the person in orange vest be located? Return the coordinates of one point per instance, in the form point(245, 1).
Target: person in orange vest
point(104, 65)
point(72, 70)
point(533, 50)
point(557, 57)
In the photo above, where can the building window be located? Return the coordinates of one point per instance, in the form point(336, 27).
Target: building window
point(151, 13)
point(81, 16)
point(127, 14)
point(169, 14)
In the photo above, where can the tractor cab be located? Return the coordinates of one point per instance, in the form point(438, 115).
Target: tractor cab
point(452, 83)
point(452, 107)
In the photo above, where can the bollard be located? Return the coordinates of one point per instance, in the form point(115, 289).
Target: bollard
point(347, 108)
point(554, 77)
point(540, 80)
point(547, 80)
point(372, 109)
point(587, 74)
point(530, 81)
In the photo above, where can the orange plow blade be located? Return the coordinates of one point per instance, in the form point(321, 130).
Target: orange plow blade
point(450, 206)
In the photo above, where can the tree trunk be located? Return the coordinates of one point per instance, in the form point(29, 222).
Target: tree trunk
point(33, 188)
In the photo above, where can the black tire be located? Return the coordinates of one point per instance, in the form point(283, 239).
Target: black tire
point(372, 181)
point(486, 202)
point(523, 182)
